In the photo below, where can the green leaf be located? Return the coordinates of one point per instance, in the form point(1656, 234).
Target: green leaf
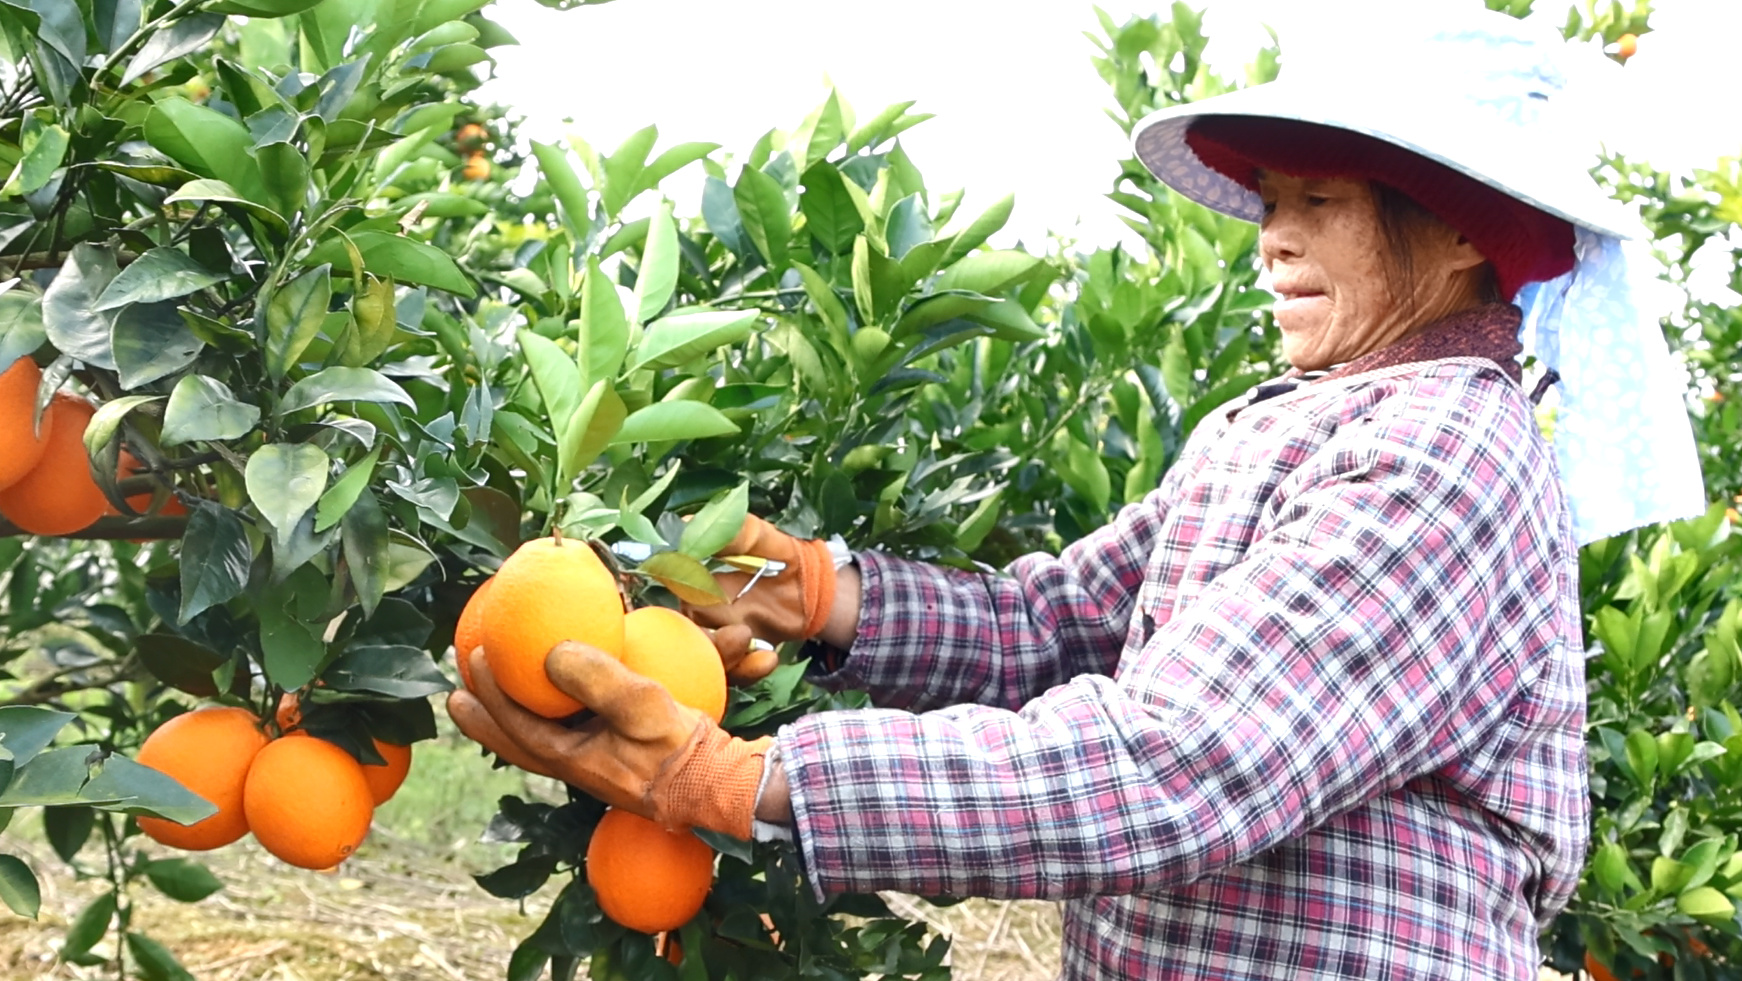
point(372, 322)
point(206, 142)
point(402, 259)
point(100, 431)
point(989, 273)
point(69, 315)
point(664, 421)
point(1642, 755)
point(284, 481)
point(687, 578)
point(343, 385)
point(657, 278)
point(338, 499)
point(284, 170)
point(215, 558)
point(177, 39)
point(180, 663)
point(672, 161)
point(151, 341)
point(589, 430)
point(908, 226)
point(202, 408)
point(154, 961)
point(26, 730)
point(1176, 369)
point(89, 926)
point(67, 828)
point(554, 373)
point(878, 282)
point(980, 229)
point(829, 211)
point(763, 210)
point(393, 670)
point(873, 131)
point(21, 329)
point(604, 337)
point(159, 274)
point(182, 880)
point(454, 57)
point(1087, 474)
point(973, 530)
point(680, 338)
point(206, 189)
point(366, 540)
point(566, 185)
point(120, 784)
point(1707, 905)
point(624, 168)
point(44, 147)
point(1009, 321)
point(294, 316)
point(716, 524)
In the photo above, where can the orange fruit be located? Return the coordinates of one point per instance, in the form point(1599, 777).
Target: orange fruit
point(24, 445)
point(547, 592)
point(1627, 45)
point(384, 780)
point(477, 167)
point(58, 496)
point(469, 632)
point(209, 751)
point(664, 645)
point(307, 802)
point(647, 878)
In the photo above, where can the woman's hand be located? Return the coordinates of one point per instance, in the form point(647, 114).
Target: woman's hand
point(642, 751)
point(801, 598)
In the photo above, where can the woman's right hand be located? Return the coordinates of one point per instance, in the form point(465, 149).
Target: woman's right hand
point(792, 601)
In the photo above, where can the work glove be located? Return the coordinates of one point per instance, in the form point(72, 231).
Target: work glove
point(787, 601)
point(641, 751)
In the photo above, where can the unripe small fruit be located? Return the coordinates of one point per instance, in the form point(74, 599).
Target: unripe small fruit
point(1627, 45)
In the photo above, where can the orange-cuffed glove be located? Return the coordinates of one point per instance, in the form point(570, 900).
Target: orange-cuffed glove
point(790, 604)
point(642, 751)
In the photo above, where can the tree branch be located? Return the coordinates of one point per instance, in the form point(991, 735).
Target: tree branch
point(111, 528)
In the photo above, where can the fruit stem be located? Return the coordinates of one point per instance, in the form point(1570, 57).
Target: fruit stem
point(556, 532)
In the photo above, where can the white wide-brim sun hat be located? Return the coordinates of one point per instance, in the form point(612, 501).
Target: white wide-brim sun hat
point(1513, 106)
point(1486, 95)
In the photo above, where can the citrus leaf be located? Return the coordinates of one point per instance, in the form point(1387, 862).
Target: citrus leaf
point(284, 480)
point(604, 327)
point(205, 408)
point(680, 338)
point(989, 272)
point(207, 189)
point(151, 341)
point(182, 880)
point(403, 259)
point(215, 557)
point(716, 524)
point(159, 274)
point(89, 926)
point(664, 421)
point(366, 539)
point(590, 429)
point(18, 887)
point(294, 315)
point(555, 375)
point(337, 500)
point(395, 670)
point(69, 315)
point(656, 279)
point(100, 431)
point(762, 208)
point(341, 384)
point(687, 578)
point(154, 960)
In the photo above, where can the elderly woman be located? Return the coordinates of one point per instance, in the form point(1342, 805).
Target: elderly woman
point(1315, 707)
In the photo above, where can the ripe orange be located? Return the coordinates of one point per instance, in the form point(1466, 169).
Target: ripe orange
point(477, 167)
point(58, 496)
point(24, 446)
point(1627, 45)
point(547, 592)
point(647, 878)
point(384, 780)
point(209, 751)
point(469, 632)
point(307, 802)
point(664, 645)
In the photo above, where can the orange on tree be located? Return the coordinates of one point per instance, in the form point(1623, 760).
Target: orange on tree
point(477, 167)
point(647, 878)
point(384, 778)
point(18, 432)
point(550, 590)
point(1627, 45)
point(469, 632)
point(664, 645)
point(307, 802)
point(210, 752)
point(58, 496)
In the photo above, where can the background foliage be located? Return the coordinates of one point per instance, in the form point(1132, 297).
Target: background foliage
point(371, 339)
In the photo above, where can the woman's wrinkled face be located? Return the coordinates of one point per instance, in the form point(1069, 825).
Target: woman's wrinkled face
point(1325, 248)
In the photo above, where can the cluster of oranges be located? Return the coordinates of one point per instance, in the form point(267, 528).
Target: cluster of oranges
point(46, 487)
point(646, 878)
point(471, 139)
point(307, 801)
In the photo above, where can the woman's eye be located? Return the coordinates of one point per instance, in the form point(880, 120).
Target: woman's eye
point(1314, 200)
point(1269, 207)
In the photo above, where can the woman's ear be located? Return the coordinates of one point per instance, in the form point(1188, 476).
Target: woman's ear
point(1452, 251)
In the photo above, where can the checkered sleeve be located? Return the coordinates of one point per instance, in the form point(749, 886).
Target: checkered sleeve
point(1350, 649)
point(931, 636)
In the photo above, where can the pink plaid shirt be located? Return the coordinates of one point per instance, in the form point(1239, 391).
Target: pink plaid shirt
point(1312, 709)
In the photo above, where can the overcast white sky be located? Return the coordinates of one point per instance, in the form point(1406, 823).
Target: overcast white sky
point(1019, 105)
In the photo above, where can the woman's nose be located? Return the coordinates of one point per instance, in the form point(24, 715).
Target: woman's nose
point(1279, 238)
